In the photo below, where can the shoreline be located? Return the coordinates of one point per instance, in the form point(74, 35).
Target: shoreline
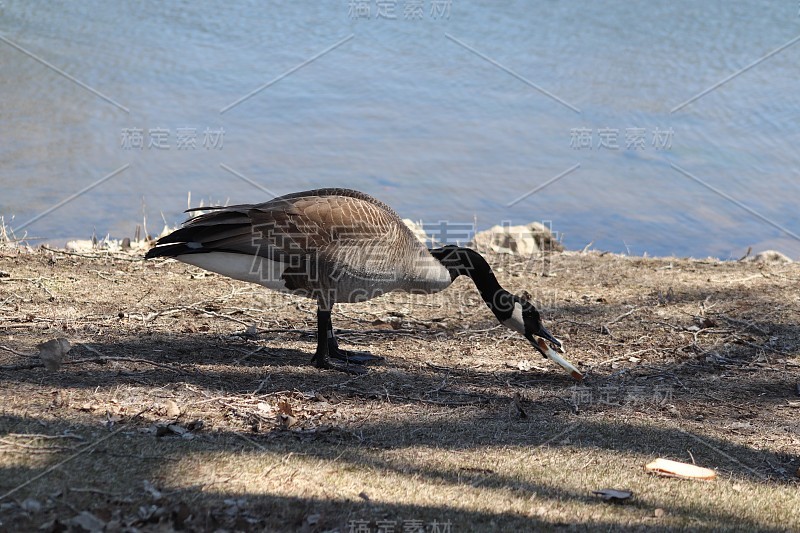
point(527, 241)
point(130, 247)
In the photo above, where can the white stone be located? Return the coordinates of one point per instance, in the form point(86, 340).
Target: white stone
point(769, 256)
point(517, 240)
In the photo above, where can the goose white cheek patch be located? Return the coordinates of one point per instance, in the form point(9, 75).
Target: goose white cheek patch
point(516, 322)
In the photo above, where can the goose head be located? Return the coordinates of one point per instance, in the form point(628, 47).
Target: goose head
point(518, 314)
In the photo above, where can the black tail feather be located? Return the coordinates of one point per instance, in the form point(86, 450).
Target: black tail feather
point(200, 233)
point(170, 250)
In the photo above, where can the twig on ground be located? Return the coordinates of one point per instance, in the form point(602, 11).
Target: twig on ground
point(6, 348)
point(109, 255)
point(254, 443)
point(98, 360)
point(741, 322)
point(41, 436)
point(623, 315)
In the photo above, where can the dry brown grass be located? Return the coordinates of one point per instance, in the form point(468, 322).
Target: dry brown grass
point(463, 423)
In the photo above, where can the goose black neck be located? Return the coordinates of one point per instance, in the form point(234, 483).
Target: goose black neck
point(467, 262)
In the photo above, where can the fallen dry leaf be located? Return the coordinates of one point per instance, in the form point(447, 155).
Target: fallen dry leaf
point(667, 468)
point(177, 429)
point(286, 421)
point(164, 430)
point(613, 495)
point(59, 399)
point(52, 353)
point(524, 365)
point(285, 408)
point(89, 406)
point(518, 404)
point(150, 489)
point(265, 407)
point(88, 522)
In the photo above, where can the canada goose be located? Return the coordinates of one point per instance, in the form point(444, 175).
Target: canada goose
point(338, 246)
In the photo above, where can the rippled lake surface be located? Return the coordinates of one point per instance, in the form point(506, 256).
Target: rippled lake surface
point(658, 128)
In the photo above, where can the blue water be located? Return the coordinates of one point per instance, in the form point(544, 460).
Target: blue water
point(449, 116)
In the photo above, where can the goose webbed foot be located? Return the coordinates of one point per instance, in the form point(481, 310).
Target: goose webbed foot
point(352, 357)
point(321, 360)
point(327, 348)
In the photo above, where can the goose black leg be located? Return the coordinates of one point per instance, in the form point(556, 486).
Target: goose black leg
point(320, 358)
point(328, 347)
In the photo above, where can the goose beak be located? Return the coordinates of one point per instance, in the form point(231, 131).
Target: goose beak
point(547, 351)
point(546, 335)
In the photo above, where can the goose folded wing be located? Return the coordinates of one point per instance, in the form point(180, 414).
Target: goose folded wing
point(341, 236)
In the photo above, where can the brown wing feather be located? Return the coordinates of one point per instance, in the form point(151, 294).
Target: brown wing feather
point(330, 238)
point(331, 233)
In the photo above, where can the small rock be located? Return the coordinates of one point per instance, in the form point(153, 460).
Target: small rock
point(769, 256)
point(658, 513)
point(517, 240)
point(30, 505)
point(177, 429)
point(706, 323)
point(52, 353)
point(88, 522)
point(173, 411)
point(195, 425)
point(251, 332)
point(150, 489)
point(79, 246)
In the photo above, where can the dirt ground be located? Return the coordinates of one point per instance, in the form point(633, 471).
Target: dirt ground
point(171, 411)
